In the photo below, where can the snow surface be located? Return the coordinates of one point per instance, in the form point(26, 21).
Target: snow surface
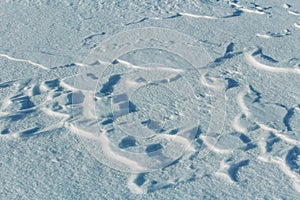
point(179, 99)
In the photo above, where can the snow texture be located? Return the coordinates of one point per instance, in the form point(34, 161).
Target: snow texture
point(124, 99)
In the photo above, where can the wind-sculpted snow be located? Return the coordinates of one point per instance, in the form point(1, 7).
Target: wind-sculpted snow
point(149, 88)
point(176, 100)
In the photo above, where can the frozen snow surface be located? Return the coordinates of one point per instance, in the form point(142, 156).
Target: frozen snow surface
point(124, 99)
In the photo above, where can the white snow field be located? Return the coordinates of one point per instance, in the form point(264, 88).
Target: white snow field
point(183, 99)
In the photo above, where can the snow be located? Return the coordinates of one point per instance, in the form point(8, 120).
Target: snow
point(144, 100)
